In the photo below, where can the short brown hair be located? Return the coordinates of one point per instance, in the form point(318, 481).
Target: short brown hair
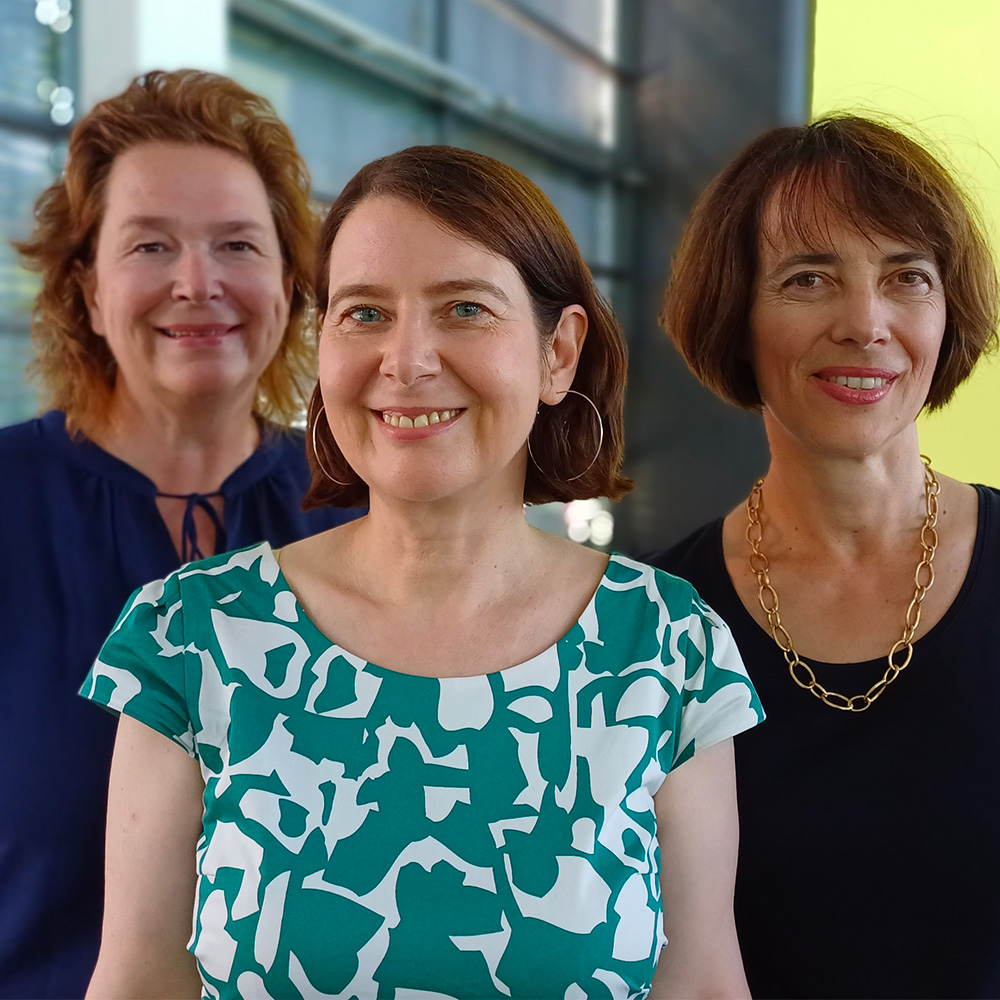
point(486, 201)
point(72, 362)
point(866, 172)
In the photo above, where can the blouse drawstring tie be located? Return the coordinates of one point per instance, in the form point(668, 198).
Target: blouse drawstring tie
point(190, 550)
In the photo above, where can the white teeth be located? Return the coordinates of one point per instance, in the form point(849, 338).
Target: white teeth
point(851, 382)
point(421, 420)
point(178, 334)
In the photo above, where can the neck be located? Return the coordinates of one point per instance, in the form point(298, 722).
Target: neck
point(851, 505)
point(188, 448)
point(418, 553)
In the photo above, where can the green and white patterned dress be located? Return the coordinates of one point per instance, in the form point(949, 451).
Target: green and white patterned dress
point(375, 834)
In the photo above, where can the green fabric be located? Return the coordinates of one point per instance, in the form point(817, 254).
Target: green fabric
point(375, 834)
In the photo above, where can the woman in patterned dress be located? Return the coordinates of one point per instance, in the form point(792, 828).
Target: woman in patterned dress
point(834, 278)
point(436, 752)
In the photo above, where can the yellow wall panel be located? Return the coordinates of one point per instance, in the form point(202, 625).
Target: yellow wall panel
point(934, 65)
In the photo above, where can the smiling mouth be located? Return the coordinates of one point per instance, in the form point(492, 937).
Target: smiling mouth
point(852, 382)
point(185, 332)
point(425, 419)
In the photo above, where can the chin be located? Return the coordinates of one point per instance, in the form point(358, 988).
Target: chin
point(842, 438)
point(851, 446)
point(418, 493)
point(212, 382)
point(423, 486)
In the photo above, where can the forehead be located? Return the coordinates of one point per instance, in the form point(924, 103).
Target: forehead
point(398, 243)
point(181, 180)
point(814, 212)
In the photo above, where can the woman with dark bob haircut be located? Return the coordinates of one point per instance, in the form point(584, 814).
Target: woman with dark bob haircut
point(834, 278)
point(436, 752)
point(172, 340)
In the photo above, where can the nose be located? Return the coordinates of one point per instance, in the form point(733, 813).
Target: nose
point(196, 277)
point(863, 318)
point(410, 352)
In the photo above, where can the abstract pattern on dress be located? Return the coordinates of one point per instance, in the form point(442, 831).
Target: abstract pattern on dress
point(375, 834)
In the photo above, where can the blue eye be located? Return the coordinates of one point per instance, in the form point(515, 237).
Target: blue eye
point(366, 314)
point(467, 310)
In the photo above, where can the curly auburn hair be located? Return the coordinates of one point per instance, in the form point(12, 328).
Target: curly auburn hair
point(490, 203)
point(864, 171)
point(73, 364)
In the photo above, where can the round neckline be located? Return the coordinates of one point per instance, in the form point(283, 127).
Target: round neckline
point(523, 666)
point(943, 622)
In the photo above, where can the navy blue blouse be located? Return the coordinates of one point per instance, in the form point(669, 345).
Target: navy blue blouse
point(80, 531)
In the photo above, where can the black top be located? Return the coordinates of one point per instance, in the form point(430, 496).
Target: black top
point(870, 842)
point(79, 531)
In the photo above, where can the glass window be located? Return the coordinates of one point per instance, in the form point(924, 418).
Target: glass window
point(33, 59)
point(36, 101)
point(590, 22)
point(341, 118)
point(26, 169)
point(531, 72)
point(410, 22)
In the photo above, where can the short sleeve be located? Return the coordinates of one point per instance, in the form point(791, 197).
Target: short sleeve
point(718, 700)
point(141, 668)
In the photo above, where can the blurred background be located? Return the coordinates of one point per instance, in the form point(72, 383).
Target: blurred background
point(620, 110)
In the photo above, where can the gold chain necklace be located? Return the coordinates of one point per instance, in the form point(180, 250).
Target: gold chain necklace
point(923, 579)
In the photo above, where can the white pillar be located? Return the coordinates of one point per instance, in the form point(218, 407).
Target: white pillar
point(120, 39)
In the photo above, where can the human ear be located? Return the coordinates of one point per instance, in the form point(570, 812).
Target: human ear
point(563, 354)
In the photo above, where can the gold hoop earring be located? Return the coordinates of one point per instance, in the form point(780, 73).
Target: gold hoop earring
point(316, 455)
point(600, 438)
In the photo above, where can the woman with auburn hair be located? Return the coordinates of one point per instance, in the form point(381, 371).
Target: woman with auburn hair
point(172, 346)
point(834, 279)
point(434, 752)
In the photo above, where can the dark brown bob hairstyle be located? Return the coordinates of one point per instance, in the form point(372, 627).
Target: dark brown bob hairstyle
point(487, 202)
point(865, 172)
point(74, 365)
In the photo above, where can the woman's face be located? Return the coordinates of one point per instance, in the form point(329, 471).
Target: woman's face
point(846, 331)
point(188, 285)
point(431, 364)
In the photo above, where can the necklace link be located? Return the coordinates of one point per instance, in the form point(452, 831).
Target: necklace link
point(923, 579)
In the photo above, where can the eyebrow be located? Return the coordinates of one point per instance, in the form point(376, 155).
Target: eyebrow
point(910, 257)
point(469, 285)
point(797, 260)
point(358, 290)
point(363, 290)
point(166, 221)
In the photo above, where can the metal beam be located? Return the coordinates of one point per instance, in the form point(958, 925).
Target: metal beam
point(553, 34)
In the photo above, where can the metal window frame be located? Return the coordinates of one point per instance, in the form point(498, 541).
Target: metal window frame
point(534, 23)
point(321, 29)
